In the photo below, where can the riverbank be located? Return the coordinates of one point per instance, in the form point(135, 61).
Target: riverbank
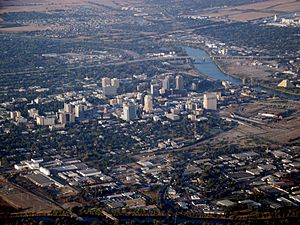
point(216, 62)
point(213, 69)
point(282, 90)
point(208, 67)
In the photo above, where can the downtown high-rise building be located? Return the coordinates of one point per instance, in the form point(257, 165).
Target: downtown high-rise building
point(115, 82)
point(78, 110)
point(106, 82)
point(210, 101)
point(166, 83)
point(154, 89)
point(179, 82)
point(129, 111)
point(148, 104)
point(110, 86)
point(68, 108)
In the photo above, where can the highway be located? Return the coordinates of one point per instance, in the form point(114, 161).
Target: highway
point(149, 59)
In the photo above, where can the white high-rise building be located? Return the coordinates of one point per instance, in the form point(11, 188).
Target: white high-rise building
point(62, 118)
point(179, 82)
point(78, 110)
point(148, 104)
point(68, 108)
point(105, 82)
point(210, 101)
point(66, 118)
point(129, 111)
point(166, 83)
point(115, 82)
point(154, 90)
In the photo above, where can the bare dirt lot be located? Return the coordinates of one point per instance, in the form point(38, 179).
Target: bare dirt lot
point(24, 28)
point(280, 131)
point(19, 198)
point(247, 69)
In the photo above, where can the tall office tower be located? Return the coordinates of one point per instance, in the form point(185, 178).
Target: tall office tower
point(115, 82)
point(148, 104)
point(62, 118)
point(129, 111)
point(78, 110)
point(140, 97)
point(210, 101)
point(166, 83)
point(154, 90)
point(179, 82)
point(67, 108)
point(105, 82)
point(70, 118)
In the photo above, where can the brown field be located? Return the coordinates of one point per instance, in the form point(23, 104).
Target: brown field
point(242, 136)
point(255, 11)
point(24, 28)
point(247, 16)
point(291, 7)
point(277, 132)
point(223, 13)
point(19, 198)
point(37, 6)
point(49, 5)
point(266, 5)
point(244, 69)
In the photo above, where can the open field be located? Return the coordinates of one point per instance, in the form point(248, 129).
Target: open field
point(242, 136)
point(245, 69)
point(281, 131)
point(38, 6)
point(19, 198)
point(24, 28)
point(255, 11)
point(49, 5)
point(270, 5)
point(246, 16)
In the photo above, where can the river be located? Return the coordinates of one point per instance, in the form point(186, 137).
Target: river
point(210, 69)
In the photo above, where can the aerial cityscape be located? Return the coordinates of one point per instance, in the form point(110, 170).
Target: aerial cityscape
point(150, 112)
